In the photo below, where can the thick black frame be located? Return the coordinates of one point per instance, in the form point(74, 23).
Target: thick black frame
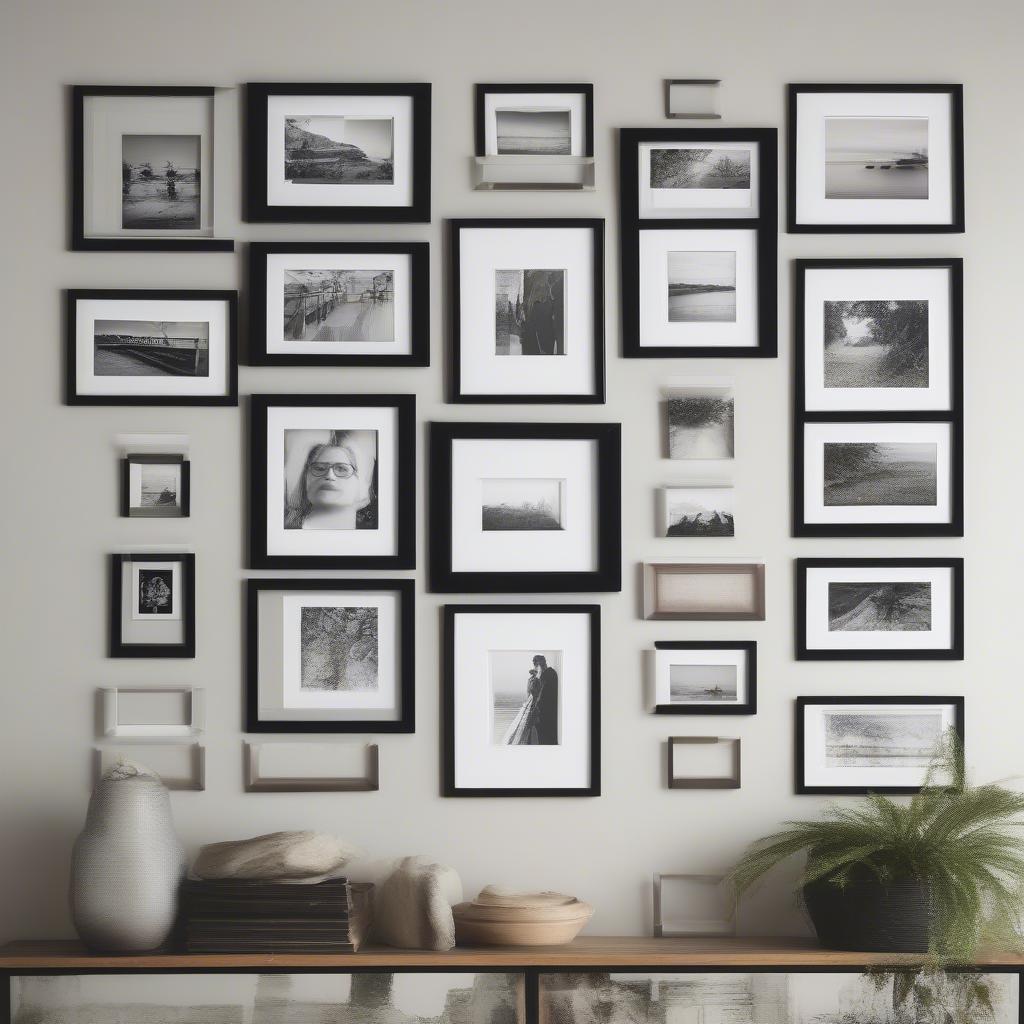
point(593, 611)
point(455, 227)
point(184, 495)
point(607, 577)
point(187, 648)
point(585, 89)
point(956, 114)
point(748, 707)
point(405, 503)
point(80, 242)
point(256, 206)
point(765, 224)
point(406, 723)
point(802, 789)
point(953, 653)
point(419, 306)
point(71, 298)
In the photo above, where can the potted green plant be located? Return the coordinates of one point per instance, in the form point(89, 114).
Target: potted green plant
point(941, 873)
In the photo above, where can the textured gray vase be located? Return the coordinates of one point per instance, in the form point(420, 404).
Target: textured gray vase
point(127, 865)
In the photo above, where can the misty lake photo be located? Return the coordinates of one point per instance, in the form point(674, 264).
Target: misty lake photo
point(876, 157)
point(702, 684)
point(858, 739)
point(702, 287)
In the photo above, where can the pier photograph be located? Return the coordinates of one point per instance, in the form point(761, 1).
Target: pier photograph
point(876, 157)
point(339, 150)
point(702, 287)
point(150, 348)
point(160, 185)
point(339, 305)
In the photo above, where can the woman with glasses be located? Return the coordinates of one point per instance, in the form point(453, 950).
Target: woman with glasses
point(337, 486)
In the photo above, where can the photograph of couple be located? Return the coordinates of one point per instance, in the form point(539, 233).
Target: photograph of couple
point(524, 698)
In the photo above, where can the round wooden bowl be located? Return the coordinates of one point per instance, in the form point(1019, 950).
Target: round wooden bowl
point(500, 918)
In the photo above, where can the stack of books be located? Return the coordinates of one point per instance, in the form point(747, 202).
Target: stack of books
point(275, 917)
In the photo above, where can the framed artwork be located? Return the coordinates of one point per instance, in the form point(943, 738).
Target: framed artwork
point(880, 609)
point(339, 304)
point(700, 419)
point(861, 745)
point(525, 507)
point(704, 591)
point(534, 120)
point(522, 696)
point(143, 169)
point(331, 478)
point(527, 310)
point(155, 486)
point(338, 153)
point(152, 605)
point(330, 655)
point(893, 477)
point(705, 677)
point(151, 347)
point(698, 512)
point(879, 335)
point(876, 158)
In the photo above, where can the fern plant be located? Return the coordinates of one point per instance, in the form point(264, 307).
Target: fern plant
point(964, 841)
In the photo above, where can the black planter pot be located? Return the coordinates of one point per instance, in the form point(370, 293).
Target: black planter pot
point(869, 917)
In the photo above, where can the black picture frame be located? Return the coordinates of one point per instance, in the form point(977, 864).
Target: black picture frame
point(80, 242)
point(953, 653)
point(455, 227)
point(406, 688)
point(118, 648)
point(801, 786)
point(747, 707)
point(405, 555)
point(451, 612)
point(765, 224)
point(607, 577)
point(257, 207)
point(956, 223)
point(71, 299)
point(419, 314)
point(184, 494)
point(482, 90)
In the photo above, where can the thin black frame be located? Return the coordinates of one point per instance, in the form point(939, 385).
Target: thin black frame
point(953, 653)
point(481, 90)
point(607, 577)
point(71, 298)
point(184, 494)
point(747, 707)
point(187, 648)
point(592, 224)
point(593, 611)
point(419, 306)
point(803, 789)
point(256, 207)
point(956, 113)
point(405, 444)
point(80, 242)
point(406, 723)
point(955, 266)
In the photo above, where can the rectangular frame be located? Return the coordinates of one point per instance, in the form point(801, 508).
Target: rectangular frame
point(113, 728)
point(731, 781)
point(708, 84)
point(106, 757)
point(256, 783)
point(187, 648)
point(726, 926)
point(482, 90)
point(747, 707)
point(143, 458)
point(755, 570)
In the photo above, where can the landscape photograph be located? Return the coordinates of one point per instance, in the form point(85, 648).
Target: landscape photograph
point(339, 305)
point(159, 484)
point(687, 168)
point(882, 739)
point(702, 684)
point(523, 131)
point(151, 348)
point(699, 512)
point(522, 504)
point(879, 606)
point(339, 150)
point(160, 186)
point(701, 287)
point(876, 157)
point(876, 343)
point(700, 423)
point(898, 473)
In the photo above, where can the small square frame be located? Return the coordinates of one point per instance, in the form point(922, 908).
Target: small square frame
point(700, 928)
point(113, 728)
point(731, 781)
point(181, 510)
point(185, 649)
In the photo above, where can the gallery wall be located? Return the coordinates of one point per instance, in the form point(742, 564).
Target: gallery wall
point(60, 512)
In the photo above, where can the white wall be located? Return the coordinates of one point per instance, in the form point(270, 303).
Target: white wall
point(59, 514)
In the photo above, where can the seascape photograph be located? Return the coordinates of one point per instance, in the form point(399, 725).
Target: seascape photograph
point(339, 150)
point(702, 287)
point(897, 473)
point(876, 157)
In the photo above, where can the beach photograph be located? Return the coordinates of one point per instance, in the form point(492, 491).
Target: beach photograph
point(524, 131)
point(700, 423)
point(694, 168)
point(876, 157)
point(880, 606)
point(160, 185)
point(702, 287)
point(339, 150)
point(876, 343)
point(898, 473)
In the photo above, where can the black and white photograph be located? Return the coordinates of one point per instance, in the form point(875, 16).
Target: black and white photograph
point(875, 343)
point(522, 685)
point(699, 512)
point(700, 421)
point(859, 473)
point(702, 287)
point(534, 120)
point(155, 486)
point(325, 150)
point(522, 130)
point(529, 312)
point(693, 168)
point(155, 594)
point(339, 305)
point(339, 648)
point(522, 504)
point(876, 158)
point(159, 485)
point(152, 605)
point(860, 609)
point(703, 684)
point(160, 181)
point(148, 348)
point(524, 697)
point(872, 744)
point(705, 677)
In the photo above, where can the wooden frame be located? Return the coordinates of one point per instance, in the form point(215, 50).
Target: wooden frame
point(256, 783)
point(257, 207)
point(187, 648)
point(731, 781)
point(419, 318)
point(481, 91)
point(956, 223)
point(607, 511)
point(755, 570)
point(82, 243)
point(451, 611)
point(143, 458)
point(113, 728)
point(803, 789)
point(747, 707)
point(455, 227)
point(406, 671)
point(953, 653)
point(405, 440)
point(105, 758)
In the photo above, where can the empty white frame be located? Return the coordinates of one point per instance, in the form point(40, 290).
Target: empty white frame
point(710, 907)
point(704, 591)
point(295, 767)
point(179, 765)
point(153, 712)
